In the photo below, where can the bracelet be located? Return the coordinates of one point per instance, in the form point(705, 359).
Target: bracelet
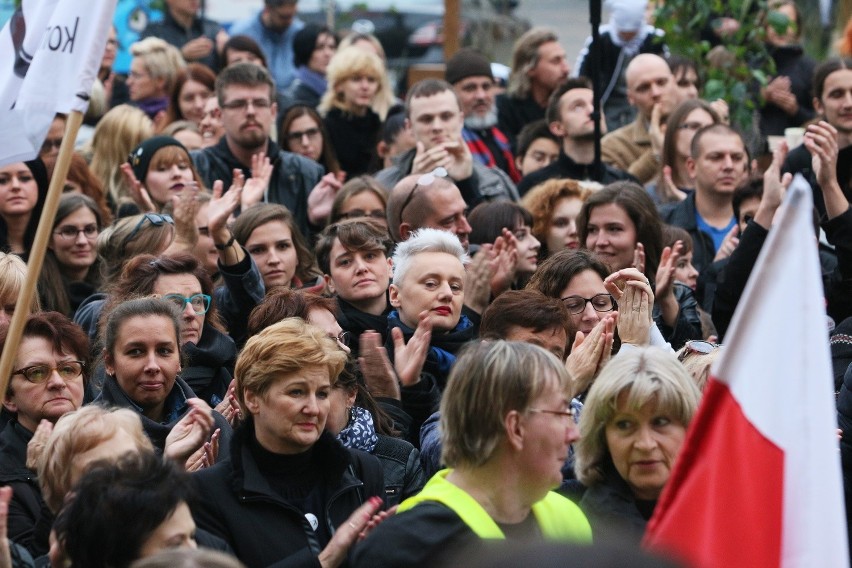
point(226, 245)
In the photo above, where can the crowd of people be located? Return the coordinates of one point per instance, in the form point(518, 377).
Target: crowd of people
point(288, 318)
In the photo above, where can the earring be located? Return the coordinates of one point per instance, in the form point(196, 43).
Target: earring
point(351, 410)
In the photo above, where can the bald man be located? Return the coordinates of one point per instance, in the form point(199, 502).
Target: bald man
point(636, 148)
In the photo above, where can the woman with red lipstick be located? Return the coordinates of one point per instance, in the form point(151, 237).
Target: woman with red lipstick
point(71, 271)
point(49, 377)
point(621, 225)
point(489, 220)
point(554, 206)
point(291, 494)
point(428, 284)
point(142, 360)
point(209, 353)
point(159, 168)
point(355, 80)
point(631, 431)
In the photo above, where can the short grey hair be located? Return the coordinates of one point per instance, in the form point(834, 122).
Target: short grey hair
point(425, 240)
point(648, 374)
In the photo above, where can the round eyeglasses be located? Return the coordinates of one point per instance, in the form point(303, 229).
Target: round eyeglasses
point(600, 302)
point(200, 302)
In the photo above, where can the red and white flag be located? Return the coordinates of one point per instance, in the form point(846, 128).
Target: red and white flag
point(50, 53)
point(758, 481)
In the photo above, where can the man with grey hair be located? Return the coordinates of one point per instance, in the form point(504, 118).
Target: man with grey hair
point(435, 118)
point(539, 65)
point(636, 148)
point(273, 28)
point(469, 72)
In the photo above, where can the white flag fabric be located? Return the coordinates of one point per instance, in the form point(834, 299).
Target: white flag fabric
point(758, 481)
point(51, 52)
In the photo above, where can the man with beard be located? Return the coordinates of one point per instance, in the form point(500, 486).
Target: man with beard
point(569, 115)
point(469, 72)
point(246, 95)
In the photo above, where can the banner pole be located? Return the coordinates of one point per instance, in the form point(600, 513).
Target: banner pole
point(36, 259)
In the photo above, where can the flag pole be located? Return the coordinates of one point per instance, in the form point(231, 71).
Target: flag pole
point(36, 258)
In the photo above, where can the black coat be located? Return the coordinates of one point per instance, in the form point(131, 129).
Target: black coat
point(238, 504)
point(612, 509)
point(565, 167)
point(26, 504)
point(403, 473)
point(354, 140)
point(791, 62)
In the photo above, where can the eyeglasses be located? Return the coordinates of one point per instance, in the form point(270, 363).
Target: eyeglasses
point(70, 232)
point(200, 302)
point(567, 413)
point(424, 180)
point(296, 136)
point(600, 302)
point(155, 219)
point(68, 370)
point(344, 337)
point(358, 213)
point(243, 104)
point(697, 346)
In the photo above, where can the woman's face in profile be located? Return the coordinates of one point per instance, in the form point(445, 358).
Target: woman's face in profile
point(644, 444)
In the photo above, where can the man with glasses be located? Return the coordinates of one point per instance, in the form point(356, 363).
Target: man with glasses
point(246, 96)
point(435, 118)
point(274, 28)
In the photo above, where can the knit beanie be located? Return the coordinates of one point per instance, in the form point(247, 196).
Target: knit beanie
point(467, 63)
point(140, 157)
point(304, 43)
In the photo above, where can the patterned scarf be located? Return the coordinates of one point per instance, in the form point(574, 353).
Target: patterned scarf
point(360, 432)
point(482, 154)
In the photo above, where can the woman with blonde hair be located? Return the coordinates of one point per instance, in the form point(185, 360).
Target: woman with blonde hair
point(631, 431)
point(385, 100)
point(13, 274)
point(355, 78)
point(119, 131)
point(154, 71)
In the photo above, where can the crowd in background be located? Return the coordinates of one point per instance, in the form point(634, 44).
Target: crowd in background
point(291, 316)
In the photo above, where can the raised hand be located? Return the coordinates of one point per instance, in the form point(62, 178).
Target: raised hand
point(138, 193)
point(590, 354)
point(321, 198)
point(408, 358)
point(191, 431)
point(477, 280)
point(255, 187)
point(379, 375)
point(729, 243)
point(632, 291)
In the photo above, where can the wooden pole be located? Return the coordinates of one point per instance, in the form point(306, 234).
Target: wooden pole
point(36, 259)
point(452, 27)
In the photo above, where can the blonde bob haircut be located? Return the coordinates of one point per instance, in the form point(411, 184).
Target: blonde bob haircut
point(345, 64)
point(13, 273)
point(76, 433)
point(284, 348)
point(643, 375)
point(489, 380)
point(161, 59)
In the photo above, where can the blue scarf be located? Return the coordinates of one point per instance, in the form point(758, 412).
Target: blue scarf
point(360, 432)
point(441, 358)
point(312, 79)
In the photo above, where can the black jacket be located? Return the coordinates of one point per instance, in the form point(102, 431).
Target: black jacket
point(174, 33)
point(354, 140)
point(403, 473)
point(293, 176)
point(565, 167)
point(688, 323)
point(791, 62)
point(799, 161)
point(683, 215)
point(26, 504)
point(514, 113)
point(612, 509)
point(175, 408)
point(238, 504)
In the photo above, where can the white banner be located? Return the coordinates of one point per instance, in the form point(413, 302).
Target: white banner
point(51, 52)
